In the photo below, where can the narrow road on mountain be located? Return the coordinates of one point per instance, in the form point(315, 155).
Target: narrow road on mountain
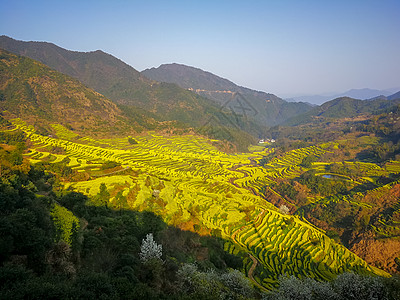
point(112, 173)
point(251, 271)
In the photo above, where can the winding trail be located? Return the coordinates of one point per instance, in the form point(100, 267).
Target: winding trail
point(112, 173)
point(255, 261)
point(251, 271)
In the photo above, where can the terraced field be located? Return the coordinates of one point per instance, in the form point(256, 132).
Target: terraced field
point(196, 187)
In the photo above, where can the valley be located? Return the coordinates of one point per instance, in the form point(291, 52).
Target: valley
point(195, 187)
point(180, 158)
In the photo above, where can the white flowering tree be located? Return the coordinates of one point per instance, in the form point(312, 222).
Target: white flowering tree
point(237, 283)
point(150, 249)
point(283, 209)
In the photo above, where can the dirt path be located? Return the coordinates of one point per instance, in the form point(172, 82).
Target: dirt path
point(251, 271)
point(112, 173)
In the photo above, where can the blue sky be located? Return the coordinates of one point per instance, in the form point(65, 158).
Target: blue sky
point(282, 47)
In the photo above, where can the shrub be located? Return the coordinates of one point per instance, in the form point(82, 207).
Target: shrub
point(237, 283)
point(353, 286)
point(132, 141)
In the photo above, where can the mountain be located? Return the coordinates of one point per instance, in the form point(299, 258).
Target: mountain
point(344, 107)
point(97, 69)
point(312, 99)
point(190, 77)
point(362, 94)
point(138, 97)
point(266, 109)
point(40, 95)
point(118, 81)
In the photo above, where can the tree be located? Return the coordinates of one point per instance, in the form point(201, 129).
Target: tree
point(237, 283)
point(153, 266)
point(120, 200)
point(132, 141)
point(283, 209)
point(103, 196)
point(308, 160)
point(354, 286)
point(150, 249)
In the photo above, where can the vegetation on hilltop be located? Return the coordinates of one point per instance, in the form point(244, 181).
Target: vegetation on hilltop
point(189, 77)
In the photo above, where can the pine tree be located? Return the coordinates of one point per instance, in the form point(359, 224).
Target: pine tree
point(150, 249)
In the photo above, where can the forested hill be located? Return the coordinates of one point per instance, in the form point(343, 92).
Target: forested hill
point(107, 69)
point(343, 108)
point(266, 109)
point(390, 97)
point(40, 95)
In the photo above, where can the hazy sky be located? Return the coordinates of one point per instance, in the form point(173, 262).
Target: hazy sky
point(282, 47)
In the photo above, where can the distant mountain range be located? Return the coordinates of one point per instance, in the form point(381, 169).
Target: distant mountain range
point(264, 108)
point(361, 94)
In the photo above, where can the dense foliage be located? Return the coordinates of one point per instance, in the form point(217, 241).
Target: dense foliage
point(321, 185)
